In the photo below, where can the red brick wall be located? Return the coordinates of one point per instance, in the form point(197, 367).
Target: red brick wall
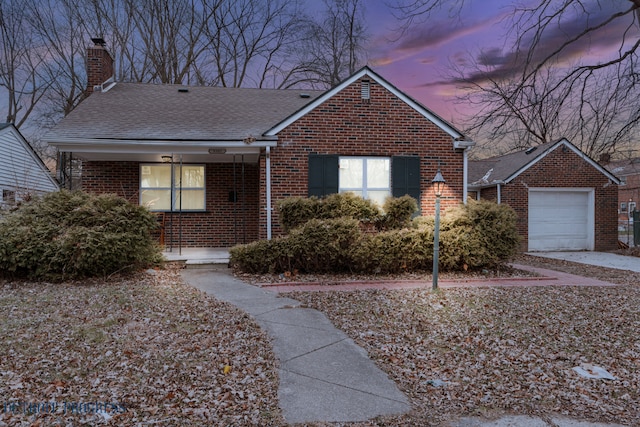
point(99, 67)
point(347, 126)
point(223, 224)
point(629, 192)
point(565, 170)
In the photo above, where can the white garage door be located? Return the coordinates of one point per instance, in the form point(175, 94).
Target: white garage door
point(561, 220)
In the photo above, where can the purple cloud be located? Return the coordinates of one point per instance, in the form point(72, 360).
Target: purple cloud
point(565, 42)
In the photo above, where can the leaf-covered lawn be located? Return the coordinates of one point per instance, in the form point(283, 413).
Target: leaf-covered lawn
point(493, 350)
point(143, 350)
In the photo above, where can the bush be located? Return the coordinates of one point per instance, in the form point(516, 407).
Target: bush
point(394, 251)
point(348, 205)
point(319, 246)
point(296, 211)
point(476, 235)
point(71, 235)
point(397, 212)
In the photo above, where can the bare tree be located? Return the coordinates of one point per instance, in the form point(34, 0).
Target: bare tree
point(247, 42)
point(172, 33)
point(513, 118)
point(60, 31)
point(333, 48)
point(20, 66)
point(532, 82)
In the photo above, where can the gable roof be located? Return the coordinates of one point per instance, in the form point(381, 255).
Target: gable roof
point(503, 169)
point(149, 112)
point(366, 71)
point(625, 167)
point(20, 166)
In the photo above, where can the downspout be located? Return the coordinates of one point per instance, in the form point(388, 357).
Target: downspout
point(268, 172)
point(465, 174)
point(464, 145)
point(499, 195)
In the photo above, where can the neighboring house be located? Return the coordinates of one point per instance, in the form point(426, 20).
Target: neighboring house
point(629, 190)
point(242, 150)
point(22, 172)
point(564, 200)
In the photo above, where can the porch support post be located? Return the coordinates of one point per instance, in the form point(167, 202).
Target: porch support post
point(268, 180)
point(499, 193)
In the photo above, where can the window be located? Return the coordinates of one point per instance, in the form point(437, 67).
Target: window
point(157, 189)
point(9, 197)
point(368, 177)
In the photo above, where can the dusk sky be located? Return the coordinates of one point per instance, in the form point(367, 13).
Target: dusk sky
point(422, 58)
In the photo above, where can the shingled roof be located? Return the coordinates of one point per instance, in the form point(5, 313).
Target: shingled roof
point(503, 169)
point(143, 112)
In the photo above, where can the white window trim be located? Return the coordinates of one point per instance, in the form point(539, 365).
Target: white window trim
point(174, 189)
point(365, 188)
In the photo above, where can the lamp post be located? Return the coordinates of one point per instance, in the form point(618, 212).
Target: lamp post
point(438, 181)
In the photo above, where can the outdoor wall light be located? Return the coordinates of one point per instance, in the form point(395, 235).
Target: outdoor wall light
point(167, 159)
point(439, 182)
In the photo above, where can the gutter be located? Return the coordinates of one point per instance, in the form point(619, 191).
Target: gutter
point(498, 184)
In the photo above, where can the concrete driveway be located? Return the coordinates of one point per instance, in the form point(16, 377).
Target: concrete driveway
point(602, 259)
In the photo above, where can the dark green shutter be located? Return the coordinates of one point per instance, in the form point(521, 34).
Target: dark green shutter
point(323, 175)
point(405, 176)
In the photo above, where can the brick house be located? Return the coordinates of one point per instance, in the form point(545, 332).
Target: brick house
point(564, 200)
point(213, 162)
point(628, 171)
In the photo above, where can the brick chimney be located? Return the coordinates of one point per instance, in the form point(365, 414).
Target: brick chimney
point(99, 65)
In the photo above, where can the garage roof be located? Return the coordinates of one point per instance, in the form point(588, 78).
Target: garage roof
point(503, 169)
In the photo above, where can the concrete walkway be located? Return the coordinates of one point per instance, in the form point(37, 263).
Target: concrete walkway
point(602, 259)
point(324, 375)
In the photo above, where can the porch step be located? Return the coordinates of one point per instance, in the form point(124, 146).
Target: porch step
point(207, 263)
point(199, 257)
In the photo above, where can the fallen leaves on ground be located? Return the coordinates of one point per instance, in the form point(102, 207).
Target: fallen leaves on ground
point(486, 351)
point(138, 350)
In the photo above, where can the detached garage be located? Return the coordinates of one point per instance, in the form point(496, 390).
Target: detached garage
point(564, 200)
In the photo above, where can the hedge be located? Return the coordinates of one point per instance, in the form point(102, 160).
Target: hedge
point(472, 236)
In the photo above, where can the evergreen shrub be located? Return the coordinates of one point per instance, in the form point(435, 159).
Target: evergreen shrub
point(72, 235)
point(296, 211)
point(397, 212)
point(319, 246)
point(476, 235)
point(472, 236)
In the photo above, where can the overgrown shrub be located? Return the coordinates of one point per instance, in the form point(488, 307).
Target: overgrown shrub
point(349, 205)
point(397, 212)
point(316, 247)
point(476, 235)
point(71, 235)
point(296, 211)
point(394, 251)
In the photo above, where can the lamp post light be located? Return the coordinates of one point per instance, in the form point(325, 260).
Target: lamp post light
point(439, 182)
